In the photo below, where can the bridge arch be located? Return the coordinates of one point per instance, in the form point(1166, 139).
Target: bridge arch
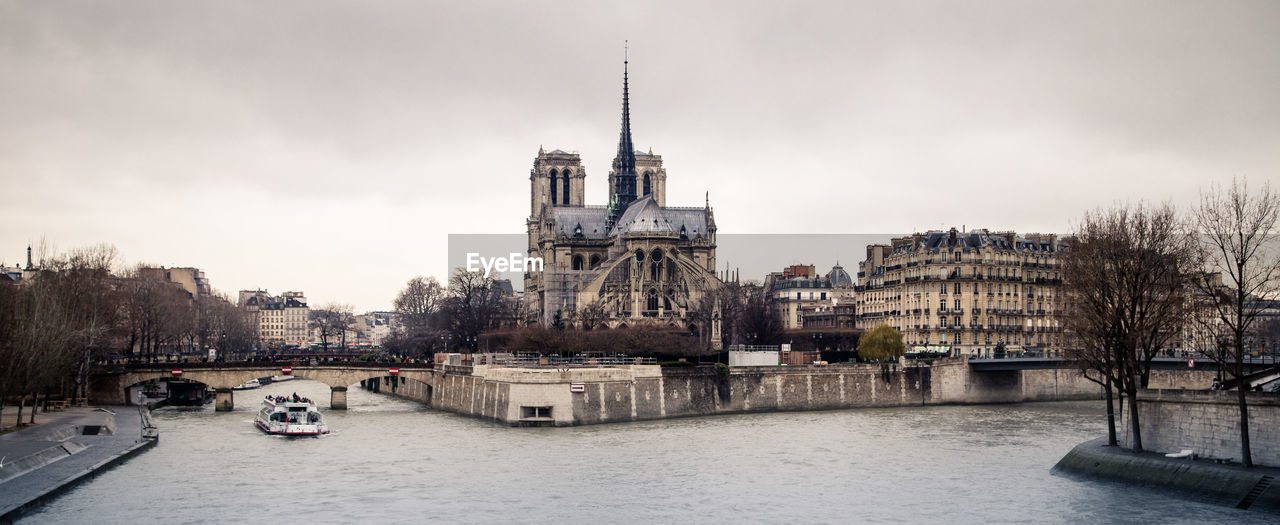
point(223, 378)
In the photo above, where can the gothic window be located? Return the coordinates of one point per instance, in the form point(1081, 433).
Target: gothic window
point(639, 255)
point(653, 300)
point(577, 262)
point(553, 187)
point(565, 200)
point(647, 188)
point(595, 261)
point(655, 267)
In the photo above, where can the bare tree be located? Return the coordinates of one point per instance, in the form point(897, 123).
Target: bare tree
point(1126, 277)
point(332, 320)
point(418, 310)
point(92, 300)
point(590, 315)
point(419, 301)
point(758, 321)
point(473, 306)
point(1241, 272)
point(224, 326)
point(158, 312)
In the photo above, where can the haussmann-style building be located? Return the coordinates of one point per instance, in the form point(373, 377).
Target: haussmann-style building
point(966, 292)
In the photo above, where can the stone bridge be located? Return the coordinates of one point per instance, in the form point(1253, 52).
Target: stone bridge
point(110, 386)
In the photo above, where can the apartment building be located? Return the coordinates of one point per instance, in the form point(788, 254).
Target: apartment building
point(966, 291)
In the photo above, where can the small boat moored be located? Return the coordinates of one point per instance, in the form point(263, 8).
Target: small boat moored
point(248, 385)
point(290, 416)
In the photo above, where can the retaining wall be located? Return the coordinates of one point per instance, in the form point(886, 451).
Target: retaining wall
point(543, 396)
point(1207, 422)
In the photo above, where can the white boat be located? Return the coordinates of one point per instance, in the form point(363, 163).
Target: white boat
point(281, 379)
point(290, 416)
point(248, 385)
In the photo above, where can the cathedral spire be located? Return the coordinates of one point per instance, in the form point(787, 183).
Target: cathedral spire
point(624, 164)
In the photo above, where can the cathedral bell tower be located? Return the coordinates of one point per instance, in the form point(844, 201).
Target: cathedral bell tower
point(557, 179)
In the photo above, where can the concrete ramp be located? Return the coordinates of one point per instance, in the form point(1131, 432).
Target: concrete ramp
point(46, 452)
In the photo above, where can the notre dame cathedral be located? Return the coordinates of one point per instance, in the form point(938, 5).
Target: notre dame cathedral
point(641, 261)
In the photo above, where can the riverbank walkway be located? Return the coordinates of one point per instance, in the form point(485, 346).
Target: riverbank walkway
point(41, 461)
point(1230, 485)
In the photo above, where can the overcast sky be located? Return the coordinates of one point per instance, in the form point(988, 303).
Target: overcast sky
point(332, 147)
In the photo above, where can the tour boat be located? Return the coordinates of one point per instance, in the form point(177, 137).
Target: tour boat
point(248, 385)
point(290, 416)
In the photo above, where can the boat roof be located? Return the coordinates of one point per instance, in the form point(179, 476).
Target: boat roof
point(269, 400)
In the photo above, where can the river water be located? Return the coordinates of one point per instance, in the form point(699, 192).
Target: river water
point(392, 460)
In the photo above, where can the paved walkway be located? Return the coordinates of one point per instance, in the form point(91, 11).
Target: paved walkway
point(1205, 480)
point(64, 430)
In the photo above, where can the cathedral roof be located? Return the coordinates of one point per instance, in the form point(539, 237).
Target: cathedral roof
point(591, 219)
point(645, 216)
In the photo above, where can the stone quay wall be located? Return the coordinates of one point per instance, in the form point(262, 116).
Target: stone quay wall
point(582, 396)
point(1206, 422)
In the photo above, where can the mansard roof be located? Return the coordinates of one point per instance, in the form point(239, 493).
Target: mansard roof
point(977, 240)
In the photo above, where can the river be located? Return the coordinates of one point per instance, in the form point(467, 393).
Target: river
point(392, 460)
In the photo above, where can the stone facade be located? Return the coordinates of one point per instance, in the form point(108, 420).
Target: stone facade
point(281, 321)
point(965, 291)
point(637, 259)
point(1208, 423)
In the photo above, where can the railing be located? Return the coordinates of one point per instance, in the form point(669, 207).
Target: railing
point(533, 361)
point(755, 348)
point(272, 364)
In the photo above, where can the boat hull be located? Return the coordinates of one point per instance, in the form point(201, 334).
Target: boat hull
point(293, 430)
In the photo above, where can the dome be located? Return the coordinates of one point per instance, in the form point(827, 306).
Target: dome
point(839, 277)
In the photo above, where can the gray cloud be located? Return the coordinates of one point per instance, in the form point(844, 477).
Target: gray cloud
point(331, 146)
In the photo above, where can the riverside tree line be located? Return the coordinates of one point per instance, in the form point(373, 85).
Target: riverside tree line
point(472, 315)
point(1139, 279)
point(74, 309)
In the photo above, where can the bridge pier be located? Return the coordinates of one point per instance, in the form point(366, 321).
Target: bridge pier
point(337, 398)
point(224, 402)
